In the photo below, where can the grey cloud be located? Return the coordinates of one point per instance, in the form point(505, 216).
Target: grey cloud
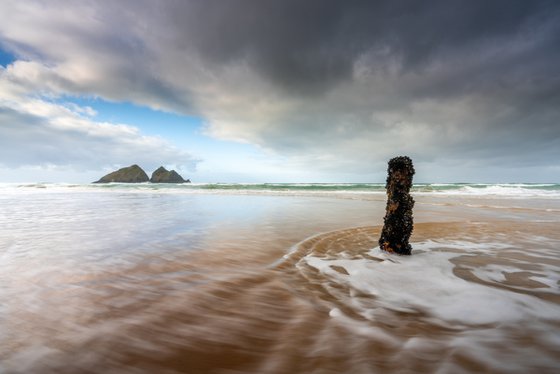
point(337, 85)
point(497, 58)
point(307, 46)
point(90, 49)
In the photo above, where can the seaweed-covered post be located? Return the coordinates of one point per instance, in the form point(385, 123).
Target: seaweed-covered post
point(397, 226)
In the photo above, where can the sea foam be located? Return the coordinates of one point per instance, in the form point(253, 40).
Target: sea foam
point(511, 190)
point(425, 282)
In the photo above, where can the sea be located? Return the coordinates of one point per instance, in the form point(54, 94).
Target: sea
point(277, 278)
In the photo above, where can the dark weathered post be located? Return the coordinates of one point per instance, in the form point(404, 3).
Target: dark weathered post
point(397, 226)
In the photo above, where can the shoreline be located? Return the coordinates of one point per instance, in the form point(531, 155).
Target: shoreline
point(475, 190)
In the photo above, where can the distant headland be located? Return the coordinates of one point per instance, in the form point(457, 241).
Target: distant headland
point(135, 174)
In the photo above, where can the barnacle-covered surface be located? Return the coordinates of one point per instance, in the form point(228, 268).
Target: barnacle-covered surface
point(398, 222)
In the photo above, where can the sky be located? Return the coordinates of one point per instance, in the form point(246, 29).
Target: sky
point(280, 90)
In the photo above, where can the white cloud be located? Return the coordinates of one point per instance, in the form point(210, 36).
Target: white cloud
point(39, 132)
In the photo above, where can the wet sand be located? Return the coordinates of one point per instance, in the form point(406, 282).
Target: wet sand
point(274, 284)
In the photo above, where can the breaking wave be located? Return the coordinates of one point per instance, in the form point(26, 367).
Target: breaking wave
point(550, 190)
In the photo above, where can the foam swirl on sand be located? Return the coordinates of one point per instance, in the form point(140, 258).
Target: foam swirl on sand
point(487, 301)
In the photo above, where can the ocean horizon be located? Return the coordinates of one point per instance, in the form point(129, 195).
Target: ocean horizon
point(551, 190)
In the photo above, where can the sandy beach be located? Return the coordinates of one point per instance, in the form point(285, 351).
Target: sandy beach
point(132, 281)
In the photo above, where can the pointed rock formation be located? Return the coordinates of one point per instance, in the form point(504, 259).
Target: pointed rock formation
point(398, 221)
point(131, 174)
point(162, 175)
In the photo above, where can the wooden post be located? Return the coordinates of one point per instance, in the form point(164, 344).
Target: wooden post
point(398, 223)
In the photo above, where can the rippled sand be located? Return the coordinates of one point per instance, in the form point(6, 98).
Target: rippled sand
point(268, 284)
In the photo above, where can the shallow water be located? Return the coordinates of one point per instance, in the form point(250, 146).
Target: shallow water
point(120, 281)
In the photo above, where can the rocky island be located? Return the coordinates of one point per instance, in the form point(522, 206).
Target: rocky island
point(130, 174)
point(135, 174)
point(162, 175)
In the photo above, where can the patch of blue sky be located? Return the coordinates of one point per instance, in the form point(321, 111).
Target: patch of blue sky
point(148, 120)
point(175, 128)
point(6, 57)
point(184, 132)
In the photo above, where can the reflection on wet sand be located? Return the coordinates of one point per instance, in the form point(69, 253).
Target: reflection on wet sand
point(260, 302)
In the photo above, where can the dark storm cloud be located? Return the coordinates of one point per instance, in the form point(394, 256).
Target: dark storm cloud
point(307, 46)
